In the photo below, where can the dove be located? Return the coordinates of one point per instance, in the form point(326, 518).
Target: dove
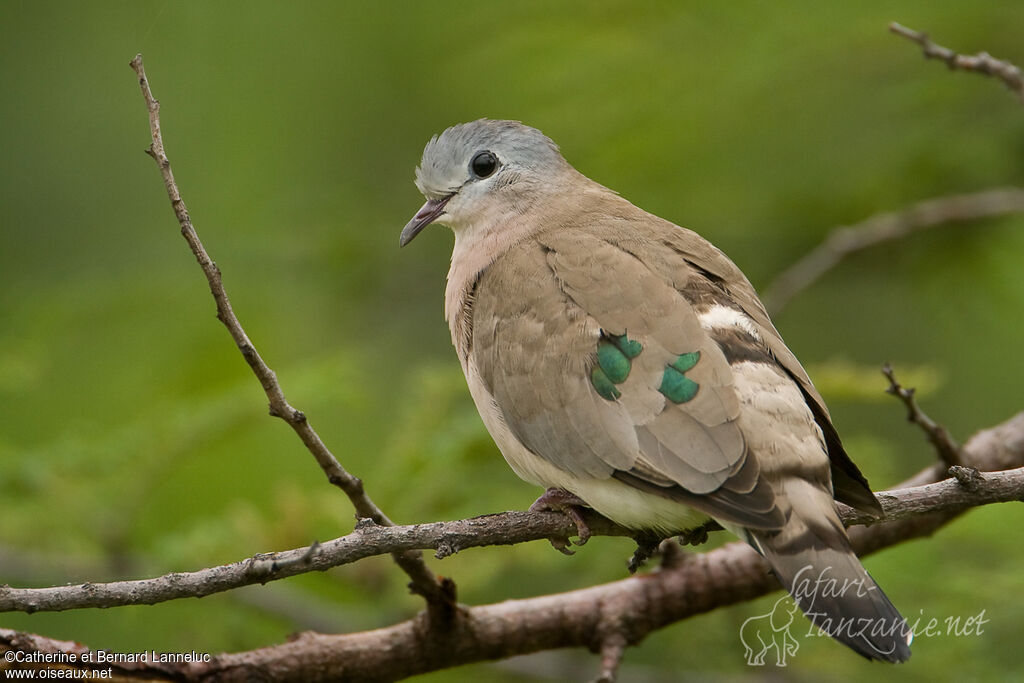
point(627, 365)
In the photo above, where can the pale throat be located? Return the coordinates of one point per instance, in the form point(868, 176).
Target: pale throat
point(477, 245)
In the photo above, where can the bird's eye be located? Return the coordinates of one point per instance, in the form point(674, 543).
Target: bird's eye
point(484, 164)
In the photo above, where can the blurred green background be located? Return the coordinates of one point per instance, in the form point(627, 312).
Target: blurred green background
point(134, 440)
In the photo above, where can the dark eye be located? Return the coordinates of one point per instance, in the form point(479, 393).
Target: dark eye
point(484, 164)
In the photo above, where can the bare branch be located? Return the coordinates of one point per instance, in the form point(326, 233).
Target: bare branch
point(693, 585)
point(845, 240)
point(982, 63)
point(613, 648)
point(886, 227)
point(367, 540)
point(955, 494)
point(946, 446)
point(944, 497)
point(701, 583)
point(423, 580)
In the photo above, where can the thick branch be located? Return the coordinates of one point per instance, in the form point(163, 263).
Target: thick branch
point(982, 63)
point(423, 580)
point(690, 585)
point(945, 497)
point(886, 227)
point(697, 584)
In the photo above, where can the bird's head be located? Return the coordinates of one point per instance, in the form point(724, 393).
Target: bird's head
point(480, 171)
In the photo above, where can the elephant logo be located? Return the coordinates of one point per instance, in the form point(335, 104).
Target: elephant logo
point(765, 632)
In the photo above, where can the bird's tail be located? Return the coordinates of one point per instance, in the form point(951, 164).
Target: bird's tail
point(815, 563)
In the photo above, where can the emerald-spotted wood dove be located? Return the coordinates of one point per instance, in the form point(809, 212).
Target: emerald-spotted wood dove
point(628, 365)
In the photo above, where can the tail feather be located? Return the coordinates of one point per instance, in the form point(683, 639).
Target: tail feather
point(839, 596)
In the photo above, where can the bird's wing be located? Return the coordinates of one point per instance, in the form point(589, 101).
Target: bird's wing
point(599, 365)
point(850, 486)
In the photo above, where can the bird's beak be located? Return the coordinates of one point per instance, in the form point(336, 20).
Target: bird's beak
point(424, 217)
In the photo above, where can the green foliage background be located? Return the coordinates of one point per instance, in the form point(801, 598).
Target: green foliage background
point(134, 441)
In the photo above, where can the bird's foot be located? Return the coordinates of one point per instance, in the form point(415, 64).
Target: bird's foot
point(560, 500)
point(698, 535)
point(647, 545)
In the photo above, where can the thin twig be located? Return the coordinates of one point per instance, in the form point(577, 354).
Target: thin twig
point(946, 446)
point(846, 240)
point(886, 227)
point(500, 529)
point(982, 63)
point(423, 580)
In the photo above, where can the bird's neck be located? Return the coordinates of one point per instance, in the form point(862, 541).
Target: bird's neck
point(476, 247)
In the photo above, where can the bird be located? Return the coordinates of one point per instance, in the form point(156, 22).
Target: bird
point(626, 365)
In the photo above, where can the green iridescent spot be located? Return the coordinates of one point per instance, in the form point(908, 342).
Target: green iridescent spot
point(630, 348)
point(614, 363)
point(677, 387)
point(686, 361)
point(604, 386)
point(614, 353)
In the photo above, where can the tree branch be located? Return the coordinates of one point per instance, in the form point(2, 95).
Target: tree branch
point(697, 584)
point(982, 63)
point(945, 445)
point(423, 581)
point(680, 588)
point(507, 528)
point(368, 540)
point(843, 241)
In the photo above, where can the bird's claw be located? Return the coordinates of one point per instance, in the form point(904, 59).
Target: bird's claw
point(560, 500)
point(561, 545)
point(646, 546)
point(695, 536)
point(698, 535)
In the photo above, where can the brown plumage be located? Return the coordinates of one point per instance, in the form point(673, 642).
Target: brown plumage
point(628, 361)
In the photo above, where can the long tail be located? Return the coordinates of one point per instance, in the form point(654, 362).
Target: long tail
point(815, 563)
